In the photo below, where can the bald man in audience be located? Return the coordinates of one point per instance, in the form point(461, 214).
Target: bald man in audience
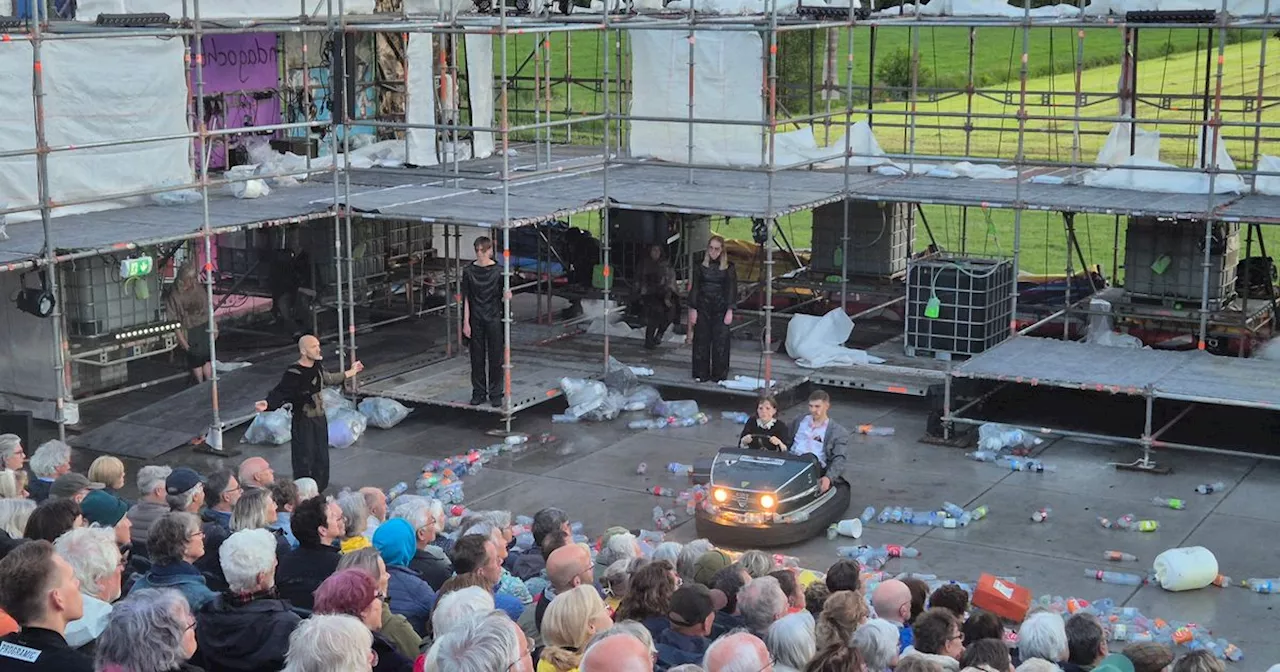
point(619, 653)
point(256, 472)
point(567, 568)
point(892, 602)
point(737, 653)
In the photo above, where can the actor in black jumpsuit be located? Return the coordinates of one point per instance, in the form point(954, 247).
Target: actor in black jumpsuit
point(300, 387)
point(482, 323)
point(715, 290)
point(657, 296)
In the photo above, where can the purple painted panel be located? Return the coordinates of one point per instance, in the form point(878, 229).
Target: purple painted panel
point(241, 84)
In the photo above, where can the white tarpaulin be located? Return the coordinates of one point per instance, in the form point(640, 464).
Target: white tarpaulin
point(1115, 150)
point(1121, 7)
point(480, 92)
point(1130, 174)
point(979, 8)
point(1268, 184)
point(446, 8)
point(88, 10)
point(96, 90)
point(420, 100)
point(816, 342)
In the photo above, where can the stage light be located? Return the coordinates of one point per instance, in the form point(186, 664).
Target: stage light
point(134, 20)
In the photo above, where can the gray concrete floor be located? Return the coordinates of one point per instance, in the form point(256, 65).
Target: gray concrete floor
point(590, 472)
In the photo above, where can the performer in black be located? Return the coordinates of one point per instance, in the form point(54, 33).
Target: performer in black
point(188, 303)
point(300, 386)
point(656, 282)
point(764, 431)
point(482, 323)
point(715, 290)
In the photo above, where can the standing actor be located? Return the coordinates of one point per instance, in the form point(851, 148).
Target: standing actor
point(656, 282)
point(188, 304)
point(482, 323)
point(300, 386)
point(715, 290)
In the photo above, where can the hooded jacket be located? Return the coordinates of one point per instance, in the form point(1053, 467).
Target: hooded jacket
point(677, 649)
point(252, 637)
point(182, 577)
point(411, 596)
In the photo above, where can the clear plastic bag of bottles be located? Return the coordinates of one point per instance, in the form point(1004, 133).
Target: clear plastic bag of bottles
point(346, 426)
point(383, 413)
point(270, 428)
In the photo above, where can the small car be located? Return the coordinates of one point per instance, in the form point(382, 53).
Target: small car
point(764, 499)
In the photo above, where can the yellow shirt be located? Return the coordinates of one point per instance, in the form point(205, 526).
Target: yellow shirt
point(544, 666)
point(355, 543)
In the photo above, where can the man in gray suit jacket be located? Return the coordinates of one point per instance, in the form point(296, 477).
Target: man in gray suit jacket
point(823, 438)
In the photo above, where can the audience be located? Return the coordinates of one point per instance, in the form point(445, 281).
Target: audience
point(72, 486)
point(14, 515)
point(375, 500)
point(705, 566)
point(39, 590)
point(355, 519)
point(184, 490)
point(256, 510)
point(953, 598)
point(620, 652)
point(815, 597)
point(1086, 643)
point(573, 618)
point(840, 658)
point(892, 602)
point(176, 542)
point(791, 642)
point(13, 484)
point(330, 643)
point(648, 599)
point(919, 595)
point(987, 655)
point(845, 574)
point(12, 454)
point(317, 523)
point(728, 583)
point(475, 554)
point(247, 627)
point(877, 644)
point(352, 592)
point(567, 568)
point(982, 625)
point(411, 597)
point(284, 493)
point(429, 560)
point(307, 488)
point(1042, 636)
point(791, 588)
point(692, 618)
point(757, 564)
point(937, 638)
point(51, 460)
point(669, 551)
point(459, 606)
point(394, 626)
point(151, 505)
point(737, 651)
point(109, 471)
point(1197, 661)
point(256, 473)
point(106, 510)
point(485, 643)
point(52, 518)
point(159, 618)
point(761, 603)
point(531, 562)
point(95, 560)
point(841, 615)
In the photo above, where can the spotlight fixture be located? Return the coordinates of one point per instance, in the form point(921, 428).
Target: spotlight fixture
point(134, 20)
point(36, 301)
point(10, 24)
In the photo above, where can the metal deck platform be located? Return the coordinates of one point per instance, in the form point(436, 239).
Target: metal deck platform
point(448, 383)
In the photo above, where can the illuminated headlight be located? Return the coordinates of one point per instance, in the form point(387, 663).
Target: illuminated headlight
point(721, 495)
point(767, 501)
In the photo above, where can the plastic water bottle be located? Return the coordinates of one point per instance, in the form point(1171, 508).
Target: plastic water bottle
point(895, 551)
point(1035, 466)
point(983, 455)
point(1041, 515)
point(908, 514)
point(399, 489)
point(980, 512)
point(885, 515)
point(565, 418)
point(867, 514)
point(871, 430)
point(1265, 586)
point(850, 552)
point(1119, 556)
point(516, 439)
point(1146, 525)
point(1222, 581)
point(1210, 488)
point(832, 533)
point(737, 417)
point(677, 468)
point(952, 510)
point(1119, 578)
point(895, 514)
point(967, 517)
point(1169, 503)
point(660, 491)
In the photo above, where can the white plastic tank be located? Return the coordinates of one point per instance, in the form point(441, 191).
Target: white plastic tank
point(1189, 568)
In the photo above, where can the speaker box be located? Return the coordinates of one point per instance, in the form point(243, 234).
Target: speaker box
point(17, 422)
point(342, 77)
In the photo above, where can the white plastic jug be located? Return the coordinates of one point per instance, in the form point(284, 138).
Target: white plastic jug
point(1188, 568)
point(850, 528)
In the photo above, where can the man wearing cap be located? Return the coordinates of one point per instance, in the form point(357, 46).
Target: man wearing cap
point(107, 510)
point(72, 486)
point(300, 387)
point(184, 490)
point(692, 615)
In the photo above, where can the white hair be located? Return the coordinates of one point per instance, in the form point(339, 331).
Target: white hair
point(877, 641)
point(9, 444)
point(459, 606)
point(92, 554)
point(250, 511)
point(745, 657)
point(329, 643)
point(245, 555)
point(619, 547)
point(157, 617)
point(48, 457)
point(1043, 635)
point(182, 500)
point(760, 603)
point(151, 477)
point(669, 551)
point(588, 664)
point(307, 488)
point(686, 564)
point(14, 514)
point(481, 528)
point(633, 629)
point(413, 509)
point(790, 640)
point(496, 518)
point(437, 510)
point(480, 644)
point(355, 513)
point(9, 484)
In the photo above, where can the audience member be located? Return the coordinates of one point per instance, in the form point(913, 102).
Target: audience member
point(937, 638)
point(648, 599)
point(617, 653)
point(987, 655)
point(317, 524)
point(757, 564)
point(429, 560)
point(256, 510)
point(692, 616)
point(95, 560)
point(184, 490)
point(815, 596)
point(14, 515)
point(51, 460)
point(175, 543)
point(843, 613)
point(877, 644)
point(375, 500)
point(892, 602)
point(394, 626)
point(307, 488)
point(615, 584)
point(352, 592)
point(531, 562)
point(246, 628)
point(52, 518)
point(159, 618)
point(573, 618)
point(1149, 656)
point(411, 597)
point(150, 506)
point(284, 492)
point(508, 584)
point(38, 588)
point(790, 642)
point(982, 625)
point(1043, 635)
point(484, 643)
point(616, 544)
point(222, 491)
point(844, 575)
point(355, 520)
point(567, 568)
point(256, 472)
point(106, 510)
point(109, 471)
point(728, 583)
point(919, 595)
point(952, 597)
point(458, 606)
point(13, 484)
point(737, 651)
point(690, 562)
point(72, 486)
point(791, 588)
point(330, 643)
point(476, 554)
point(918, 664)
point(1194, 661)
point(761, 603)
point(12, 453)
point(669, 551)
point(707, 565)
point(1086, 643)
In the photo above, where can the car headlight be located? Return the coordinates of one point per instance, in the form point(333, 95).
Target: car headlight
point(767, 501)
point(721, 495)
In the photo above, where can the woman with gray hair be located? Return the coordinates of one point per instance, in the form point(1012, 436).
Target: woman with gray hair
point(790, 642)
point(307, 488)
point(687, 563)
point(330, 643)
point(12, 455)
point(13, 484)
point(14, 514)
point(51, 460)
point(175, 542)
point(256, 510)
point(355, 516)
point(669, 551)
point(757, 564)
point(150, 631)
point(877, 641)
point(1043, 636)
point(508, 584)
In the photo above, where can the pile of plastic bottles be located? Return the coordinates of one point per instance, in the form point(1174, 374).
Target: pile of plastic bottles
point(1013, 463)
point(694, 497)
point(1129, 522)
point(875, 557)
point(949, 516)
point(669, 421)
point(994, 439)
point(442, 479)
point(1128, 624)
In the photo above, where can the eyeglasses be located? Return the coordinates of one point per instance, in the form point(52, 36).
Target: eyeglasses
point(191, 626)
point(380, 596)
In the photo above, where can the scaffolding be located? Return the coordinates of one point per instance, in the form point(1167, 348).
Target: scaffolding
point(561, 182)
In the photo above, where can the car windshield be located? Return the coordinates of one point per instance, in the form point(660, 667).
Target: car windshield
point(751, 470)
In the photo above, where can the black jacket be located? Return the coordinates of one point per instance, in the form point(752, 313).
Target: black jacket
point(527, 564)
point(37, 489)
point(252, 637)
point(434, 569)
point(389, 659)
point(39, 649)
point(302, 570)
point(215, 526)
point(8, 543)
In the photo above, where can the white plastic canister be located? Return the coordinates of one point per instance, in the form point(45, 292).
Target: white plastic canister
point(1188, 568)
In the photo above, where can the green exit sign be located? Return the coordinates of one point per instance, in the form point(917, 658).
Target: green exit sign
point(135, 267)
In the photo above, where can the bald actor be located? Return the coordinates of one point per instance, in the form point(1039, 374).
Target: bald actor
point(300, 386)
